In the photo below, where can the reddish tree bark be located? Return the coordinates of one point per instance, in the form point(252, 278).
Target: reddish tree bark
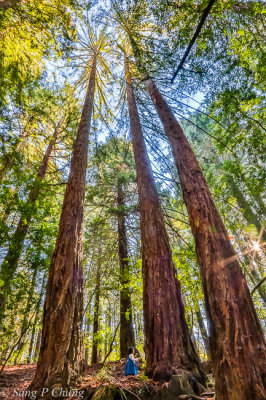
point(60, 361)
point(236, 338)
point(127, 337)
point(167, 342)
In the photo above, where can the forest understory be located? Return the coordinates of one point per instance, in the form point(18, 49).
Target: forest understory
point(105, 382)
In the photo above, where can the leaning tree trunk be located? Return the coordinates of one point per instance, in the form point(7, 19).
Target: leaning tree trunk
point(167, 342)
point(127, 337)
point(9, 265)
point(60, 363)
point(95, 329)
point(236, 337)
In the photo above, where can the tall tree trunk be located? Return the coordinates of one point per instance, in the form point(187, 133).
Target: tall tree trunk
point(95, 330)
point(9, 265)
point(60, 361)
point(236, 337)
point(249, 214)
point(127, 337)
point(167, 342)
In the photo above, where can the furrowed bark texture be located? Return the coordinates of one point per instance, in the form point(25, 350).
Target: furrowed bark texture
point(127, 337)
point(236, 337)
point(167, 342)
point(60, 360)
point(9, 265)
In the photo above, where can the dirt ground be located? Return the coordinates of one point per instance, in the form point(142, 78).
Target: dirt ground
point(15, 379)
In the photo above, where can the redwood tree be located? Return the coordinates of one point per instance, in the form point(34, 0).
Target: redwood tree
point(60, 361)
point(127, 338)
point(167, 342)
point(236, 337)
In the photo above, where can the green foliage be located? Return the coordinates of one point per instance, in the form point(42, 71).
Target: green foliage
point(32, 32)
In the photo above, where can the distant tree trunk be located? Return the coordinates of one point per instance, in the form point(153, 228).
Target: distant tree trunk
point(87, 324)
point(107, 325)
point(95, 330)
point(37, 345)
point(37, 312)
point(87, 312)
point(26, 312)
point(204, 333)
point(167, 342)
point(9, 265)
point(236, 337)
point(249, 214)
point(60, 361)
point(32, 336)
point(127, 337)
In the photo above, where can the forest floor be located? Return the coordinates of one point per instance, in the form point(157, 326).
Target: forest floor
point(16, 378)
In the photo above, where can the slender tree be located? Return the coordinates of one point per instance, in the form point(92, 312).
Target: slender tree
point(238, 362)
point(26, 315)
point(9, 265)
point(60, 360)
point(95, 328)
point(203, 331)
point(167, 342)
point(127, 337)
point(36, 318)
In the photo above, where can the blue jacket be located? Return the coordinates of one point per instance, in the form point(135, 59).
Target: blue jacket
point(131, 368)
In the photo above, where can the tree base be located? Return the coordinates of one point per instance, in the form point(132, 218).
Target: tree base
point(54, 389)
point(185, 385)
